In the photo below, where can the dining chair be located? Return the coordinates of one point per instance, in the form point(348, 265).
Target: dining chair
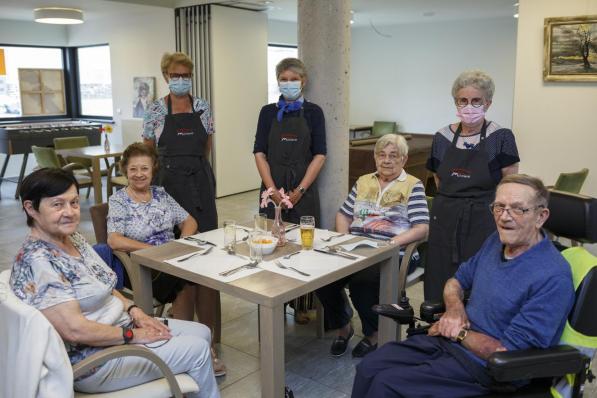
point(36, 363)
point(77, 142)
point(115, 179)
point(47, 157)
point(571, 182)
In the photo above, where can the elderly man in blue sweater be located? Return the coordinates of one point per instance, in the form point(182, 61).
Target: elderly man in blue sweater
point(520, 294)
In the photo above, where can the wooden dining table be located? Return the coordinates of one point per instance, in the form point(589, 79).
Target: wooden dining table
point(270, 290)
point(95, 153)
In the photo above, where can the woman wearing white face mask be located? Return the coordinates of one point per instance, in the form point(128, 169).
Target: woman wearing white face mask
point(181, 127)
point(468, 160)
point(290, 147)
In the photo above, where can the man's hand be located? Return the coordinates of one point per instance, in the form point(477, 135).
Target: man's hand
point(452, 322)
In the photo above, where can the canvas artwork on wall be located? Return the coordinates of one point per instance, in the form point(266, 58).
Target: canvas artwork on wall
point(144, 94)
point(570, 49)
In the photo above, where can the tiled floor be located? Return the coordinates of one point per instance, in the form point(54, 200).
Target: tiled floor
point(310, 371)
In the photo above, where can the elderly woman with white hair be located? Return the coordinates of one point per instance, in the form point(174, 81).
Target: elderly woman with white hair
point(389, 204)
point(468, 159)
point(290, 150)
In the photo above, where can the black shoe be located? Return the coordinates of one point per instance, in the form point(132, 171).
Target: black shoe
point(363, 348)
point(340, 344)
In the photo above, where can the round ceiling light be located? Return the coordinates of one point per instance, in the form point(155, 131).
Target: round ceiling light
point(58, 15)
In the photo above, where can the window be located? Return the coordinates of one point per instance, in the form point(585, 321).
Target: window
point(275, 54)
point(95, 81)
point(11, 60)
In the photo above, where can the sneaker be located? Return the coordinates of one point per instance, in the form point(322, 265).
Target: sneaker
point(340, 344)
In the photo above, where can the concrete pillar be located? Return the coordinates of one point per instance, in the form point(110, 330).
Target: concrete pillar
point(324, 47)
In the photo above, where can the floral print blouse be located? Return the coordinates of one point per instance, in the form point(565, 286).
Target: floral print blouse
point(43, 276)
point(152, 222)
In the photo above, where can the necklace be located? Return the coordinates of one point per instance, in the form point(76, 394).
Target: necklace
point(136, 197)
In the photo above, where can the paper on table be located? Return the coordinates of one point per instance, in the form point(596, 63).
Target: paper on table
point(215, 236)
point(367, 242)
point(313, 263)
point(213, 263)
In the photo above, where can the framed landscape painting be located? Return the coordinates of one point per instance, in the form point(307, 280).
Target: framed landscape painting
point(570, 49)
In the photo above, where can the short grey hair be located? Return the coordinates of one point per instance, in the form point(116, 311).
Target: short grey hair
point(541, 193)
point(392, 139)
point(294, 64)
point(474, 78)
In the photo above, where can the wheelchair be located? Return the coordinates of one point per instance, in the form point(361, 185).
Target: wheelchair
point(573, 217)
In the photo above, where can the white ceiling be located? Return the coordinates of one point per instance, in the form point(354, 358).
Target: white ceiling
point(366, 12)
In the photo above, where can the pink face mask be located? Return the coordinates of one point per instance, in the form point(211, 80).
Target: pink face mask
point(470, 115)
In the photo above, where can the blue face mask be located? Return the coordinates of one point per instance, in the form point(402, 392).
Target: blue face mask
point(180, 86)
point(290, 90)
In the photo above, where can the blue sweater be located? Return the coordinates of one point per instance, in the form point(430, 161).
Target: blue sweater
point(522, 302)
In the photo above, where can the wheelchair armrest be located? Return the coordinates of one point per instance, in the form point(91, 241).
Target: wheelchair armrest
point(535, 363)
point(431, 311)
point(403, 316)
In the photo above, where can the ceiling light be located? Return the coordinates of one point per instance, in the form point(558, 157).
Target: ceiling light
point(58, 15)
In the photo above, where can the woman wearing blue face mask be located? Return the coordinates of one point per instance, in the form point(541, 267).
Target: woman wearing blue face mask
point(290, 149)
point(181, 128)
point(468, 159)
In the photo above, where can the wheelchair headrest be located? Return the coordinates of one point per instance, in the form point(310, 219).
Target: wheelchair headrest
point(572, 216)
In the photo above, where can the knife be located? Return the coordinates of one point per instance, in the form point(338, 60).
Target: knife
point(295, 226)
point(351, 257)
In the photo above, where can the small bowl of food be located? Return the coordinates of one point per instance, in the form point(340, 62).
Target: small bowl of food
point(266, 242)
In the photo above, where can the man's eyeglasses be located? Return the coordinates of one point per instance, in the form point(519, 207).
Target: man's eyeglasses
point(498, 209)
point(176, 76)
point(392, 157)
point(475, 102)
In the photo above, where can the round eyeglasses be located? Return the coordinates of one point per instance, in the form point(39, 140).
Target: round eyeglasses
point(475, 102)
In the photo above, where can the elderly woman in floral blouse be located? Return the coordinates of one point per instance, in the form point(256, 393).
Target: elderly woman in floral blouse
point(57, 272)
point(142, 215)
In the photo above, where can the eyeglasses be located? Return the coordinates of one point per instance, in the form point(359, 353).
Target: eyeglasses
point(498, 209)
point(176, 76)
point(392, 157)
point(475, 102)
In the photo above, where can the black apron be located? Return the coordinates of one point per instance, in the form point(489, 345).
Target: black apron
point(460, 217)
point(184, 172)
point(288, 156)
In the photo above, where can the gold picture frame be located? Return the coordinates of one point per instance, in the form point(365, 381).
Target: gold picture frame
point(570, 49)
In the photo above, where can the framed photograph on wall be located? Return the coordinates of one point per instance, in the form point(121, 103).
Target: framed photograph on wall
point(570, 49)
point(144, 94)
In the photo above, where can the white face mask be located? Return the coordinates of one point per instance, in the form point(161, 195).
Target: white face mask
point(290, 90)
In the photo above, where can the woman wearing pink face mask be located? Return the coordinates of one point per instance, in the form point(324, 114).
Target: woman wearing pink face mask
point(468, 159)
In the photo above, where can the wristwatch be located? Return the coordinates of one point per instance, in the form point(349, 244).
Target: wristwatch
point(127, 335)
point(461, 335)
point(301, 190)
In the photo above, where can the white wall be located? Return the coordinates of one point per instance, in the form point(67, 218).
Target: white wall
point(137, 42)
point(32, 33)
point(408, 77)
point(282, 32)
point(556, 121)
point(239, 53)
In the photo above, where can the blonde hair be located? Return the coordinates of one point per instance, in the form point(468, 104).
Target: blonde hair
point(392, 139)
point(175, 58)
point(294, 64)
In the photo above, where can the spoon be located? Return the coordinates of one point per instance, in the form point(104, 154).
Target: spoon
point(203, 253)
point(252, 264)
point(329, 238)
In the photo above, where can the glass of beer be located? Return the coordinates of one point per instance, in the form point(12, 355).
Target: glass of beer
point(307, 232)
point(230, 236)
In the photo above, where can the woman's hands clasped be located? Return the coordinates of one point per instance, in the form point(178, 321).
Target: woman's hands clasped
point(148, 329)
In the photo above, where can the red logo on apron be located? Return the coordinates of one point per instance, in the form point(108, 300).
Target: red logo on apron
point(184, 131)
point(460, 173)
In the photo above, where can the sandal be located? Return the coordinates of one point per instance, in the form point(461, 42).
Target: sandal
point(218, 364)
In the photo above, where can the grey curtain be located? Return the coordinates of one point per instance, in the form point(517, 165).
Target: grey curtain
point(193, 32)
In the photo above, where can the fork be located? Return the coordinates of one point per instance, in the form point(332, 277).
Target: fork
point(252, 264)
point(329, 238)
point(203, 253)
point(286, 257)
point(280, 265)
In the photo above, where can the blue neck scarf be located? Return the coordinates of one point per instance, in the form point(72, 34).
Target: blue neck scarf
point(285, 107)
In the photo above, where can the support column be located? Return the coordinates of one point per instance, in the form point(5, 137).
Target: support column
point(324, 47)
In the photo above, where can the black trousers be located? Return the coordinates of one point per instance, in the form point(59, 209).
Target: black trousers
point(364, 293)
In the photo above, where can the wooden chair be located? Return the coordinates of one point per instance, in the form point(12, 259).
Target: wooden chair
point(571, 182)
point(20, 335)
point(47, 157)
point(99, 215)
point(115, 180)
